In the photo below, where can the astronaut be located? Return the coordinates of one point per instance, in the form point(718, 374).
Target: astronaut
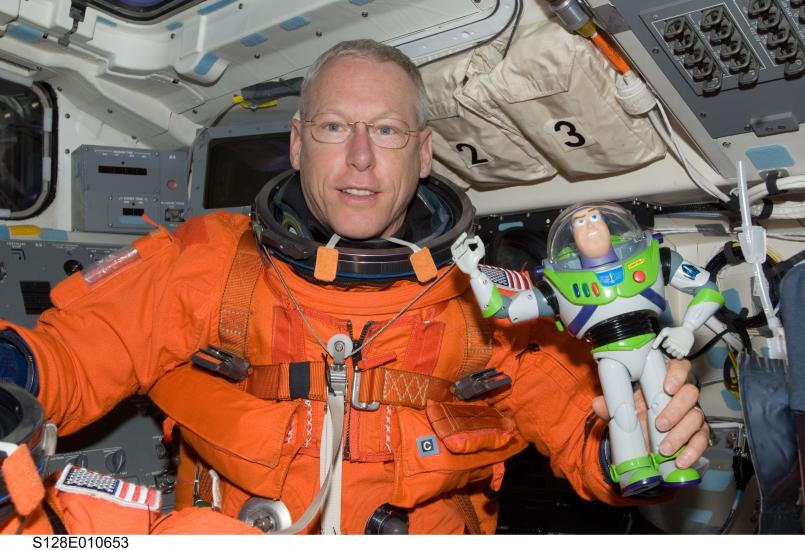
point(605, 280)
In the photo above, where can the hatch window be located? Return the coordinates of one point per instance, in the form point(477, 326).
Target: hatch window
point(26, 142)
point(142, 10)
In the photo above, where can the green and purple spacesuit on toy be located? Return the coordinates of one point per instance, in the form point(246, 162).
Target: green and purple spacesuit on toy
point(605, 280)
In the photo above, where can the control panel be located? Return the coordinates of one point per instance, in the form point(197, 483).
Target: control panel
point(30, 268)
point(720, 47)
point(114, 187)
point(732, 72)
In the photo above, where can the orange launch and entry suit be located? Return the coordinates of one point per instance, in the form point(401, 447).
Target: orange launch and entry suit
point(132, 324)
point(41, 511)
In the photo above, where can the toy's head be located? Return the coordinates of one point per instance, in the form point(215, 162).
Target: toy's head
point(592, 234)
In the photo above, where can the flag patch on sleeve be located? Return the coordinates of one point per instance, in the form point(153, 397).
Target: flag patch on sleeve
point(505, 278)
point(74, 479)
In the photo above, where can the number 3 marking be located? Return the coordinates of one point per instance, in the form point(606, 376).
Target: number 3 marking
point(571, 132)
point(474, 159)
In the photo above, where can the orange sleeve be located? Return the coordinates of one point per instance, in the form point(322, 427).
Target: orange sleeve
point(554, 382)
point(106, 340)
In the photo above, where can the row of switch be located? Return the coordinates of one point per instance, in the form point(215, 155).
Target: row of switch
point(769, 19)
point(696, 59)
point(733, 49)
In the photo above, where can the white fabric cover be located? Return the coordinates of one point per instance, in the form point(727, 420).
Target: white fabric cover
point(548, 105)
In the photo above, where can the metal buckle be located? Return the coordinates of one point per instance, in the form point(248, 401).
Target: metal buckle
point(356, 404)
point(476, 385)
point(339, 347)
point(222, 362)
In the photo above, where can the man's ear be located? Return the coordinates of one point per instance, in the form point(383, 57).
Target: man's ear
point(296, 143)
point(425, 152)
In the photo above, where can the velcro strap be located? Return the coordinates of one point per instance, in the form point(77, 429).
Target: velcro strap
point(287, 381)
point(299, 380)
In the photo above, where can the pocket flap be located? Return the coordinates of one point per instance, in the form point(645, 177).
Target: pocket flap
point(466, 428)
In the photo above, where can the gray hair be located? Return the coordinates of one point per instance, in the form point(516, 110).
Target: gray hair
point(373, 51)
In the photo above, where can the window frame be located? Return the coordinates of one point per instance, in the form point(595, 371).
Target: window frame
point(133, 15)
point(47, 99)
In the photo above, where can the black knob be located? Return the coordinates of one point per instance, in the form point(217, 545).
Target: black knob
point(81, 460)
point(116, 461)
point(71, 266)
point(387, 520)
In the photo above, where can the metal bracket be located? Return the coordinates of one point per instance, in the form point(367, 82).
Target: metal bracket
point(339, 347)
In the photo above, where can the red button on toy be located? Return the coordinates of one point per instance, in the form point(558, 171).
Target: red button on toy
point(639, 276)
point(595, 290)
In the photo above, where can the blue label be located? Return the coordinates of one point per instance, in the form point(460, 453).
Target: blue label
point(427, 446)
point(611, 277)
point(690, 271)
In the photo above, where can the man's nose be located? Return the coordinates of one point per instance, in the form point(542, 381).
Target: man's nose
point(360, 152)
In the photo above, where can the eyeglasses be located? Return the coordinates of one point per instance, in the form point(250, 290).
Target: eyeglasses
point(388, 133)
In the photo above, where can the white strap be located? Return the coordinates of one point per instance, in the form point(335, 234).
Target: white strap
point(331, 512)
point(401, 242)
point(335, 403)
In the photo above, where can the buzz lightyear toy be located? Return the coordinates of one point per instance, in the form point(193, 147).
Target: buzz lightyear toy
point(605, 280)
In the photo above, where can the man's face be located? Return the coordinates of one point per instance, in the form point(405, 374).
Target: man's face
point(591, 233)
point(360, 190)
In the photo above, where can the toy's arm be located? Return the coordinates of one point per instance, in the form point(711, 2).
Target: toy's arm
point(525, 305)
point(707, 300)
point(467, 253)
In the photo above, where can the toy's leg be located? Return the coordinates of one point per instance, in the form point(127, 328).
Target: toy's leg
point(631, 467)
point(651, 383)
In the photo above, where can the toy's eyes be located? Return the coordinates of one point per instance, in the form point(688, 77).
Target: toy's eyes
point(580, 221)
point(593, 217)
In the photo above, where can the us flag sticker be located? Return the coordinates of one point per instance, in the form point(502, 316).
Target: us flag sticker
point(86, 482)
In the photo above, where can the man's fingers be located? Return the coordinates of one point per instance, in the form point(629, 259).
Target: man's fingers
point(678, 370)
point(695, 447)
point(687, 430)
point(600, 408)
point(678, 408)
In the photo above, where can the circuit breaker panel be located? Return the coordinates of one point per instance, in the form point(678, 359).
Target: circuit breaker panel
point(733, 73)
point(113, 187)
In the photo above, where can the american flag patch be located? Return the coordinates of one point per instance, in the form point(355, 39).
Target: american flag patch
point(506, 279)
point(86, 482)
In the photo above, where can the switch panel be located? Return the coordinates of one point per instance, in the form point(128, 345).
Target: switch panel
point(721, 66)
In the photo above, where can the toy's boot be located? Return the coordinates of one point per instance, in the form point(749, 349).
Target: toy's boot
point(636, 475)
point(673, 476)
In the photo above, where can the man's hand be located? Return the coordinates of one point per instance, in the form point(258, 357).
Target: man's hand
point(677, 341)
point(465, 256)
point(682, 418)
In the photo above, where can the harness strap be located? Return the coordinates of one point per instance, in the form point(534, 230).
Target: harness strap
point(288, 381)
point(403, 388)
point(233, 322)
point(471, 522)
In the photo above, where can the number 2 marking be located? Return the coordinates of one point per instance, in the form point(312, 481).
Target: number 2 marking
point(571, 132)
point(474, 158)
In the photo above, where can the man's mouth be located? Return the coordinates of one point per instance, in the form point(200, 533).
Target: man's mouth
point(357, 192)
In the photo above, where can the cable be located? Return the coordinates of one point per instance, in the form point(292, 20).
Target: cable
point(739, 323)
point(669, 136)
point(705, 348)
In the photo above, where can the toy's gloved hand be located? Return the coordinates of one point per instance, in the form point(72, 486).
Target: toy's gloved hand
point(682, 418)
point(467, 253)
point(677, 341)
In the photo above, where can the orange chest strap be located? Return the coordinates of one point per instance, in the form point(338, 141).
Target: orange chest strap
point(306, 380)
point(236, 300)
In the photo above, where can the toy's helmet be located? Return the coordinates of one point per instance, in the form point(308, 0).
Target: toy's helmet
point(625, 235)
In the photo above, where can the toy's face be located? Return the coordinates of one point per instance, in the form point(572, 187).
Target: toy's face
point(591, 233)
